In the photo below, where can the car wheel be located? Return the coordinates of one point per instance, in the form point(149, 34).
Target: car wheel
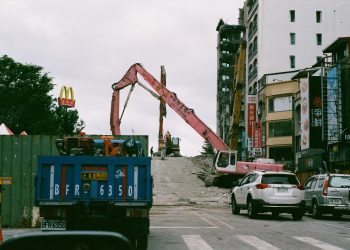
point(297, 215)
point(252, 211)
point(235, 208)
point(315, 210)
point(337, 215)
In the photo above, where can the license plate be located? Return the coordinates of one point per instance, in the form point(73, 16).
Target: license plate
point(282, 190)
point(335, 201)
point(53, 225)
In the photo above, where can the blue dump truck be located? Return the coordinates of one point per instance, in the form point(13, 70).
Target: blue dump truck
point(96, 185)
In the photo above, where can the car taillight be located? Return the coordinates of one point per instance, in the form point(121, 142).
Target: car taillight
point(325, 186)
point(262, 186)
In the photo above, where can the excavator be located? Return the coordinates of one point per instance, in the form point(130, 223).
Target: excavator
point(225, 161)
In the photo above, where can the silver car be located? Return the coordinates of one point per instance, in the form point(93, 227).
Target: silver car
point(328, 194)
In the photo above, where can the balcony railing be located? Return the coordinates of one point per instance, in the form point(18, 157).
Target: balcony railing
point(252, 53)
point(252, 74)
point(252, 31)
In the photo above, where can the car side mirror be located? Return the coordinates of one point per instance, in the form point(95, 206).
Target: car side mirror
point(67, 240)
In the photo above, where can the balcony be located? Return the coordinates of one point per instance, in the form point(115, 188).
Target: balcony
point(252, 5)
point(252, 31)
point(252, 74)
point(252, 52)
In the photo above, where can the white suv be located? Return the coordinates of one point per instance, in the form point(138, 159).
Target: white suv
point(269, 191)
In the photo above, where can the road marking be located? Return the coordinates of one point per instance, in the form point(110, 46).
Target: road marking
point(204, 219)
point(195, 242)
point(227, 225)
point(256, 242)
point(318, 243)
point(333, 225)
point(180, 227)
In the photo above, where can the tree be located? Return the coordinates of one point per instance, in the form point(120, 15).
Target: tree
point(25, 103)
point(207, 148)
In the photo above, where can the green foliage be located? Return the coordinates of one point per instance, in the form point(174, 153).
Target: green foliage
point(207, 148)
point(25, 103)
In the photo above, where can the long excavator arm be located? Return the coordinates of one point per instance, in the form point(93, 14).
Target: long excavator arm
point(130, 78)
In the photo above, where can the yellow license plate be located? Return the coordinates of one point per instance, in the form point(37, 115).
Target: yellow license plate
point(96, 176)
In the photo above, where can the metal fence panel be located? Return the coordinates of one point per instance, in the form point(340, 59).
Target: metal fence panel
point(18, 159)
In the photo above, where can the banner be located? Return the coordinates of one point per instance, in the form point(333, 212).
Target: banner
point(316, 113)
point(305, 122)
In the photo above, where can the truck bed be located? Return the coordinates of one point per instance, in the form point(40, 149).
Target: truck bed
point(124, 181)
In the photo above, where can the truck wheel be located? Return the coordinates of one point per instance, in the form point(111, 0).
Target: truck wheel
point(275, 214)
point(142, 243)
point(337, 215)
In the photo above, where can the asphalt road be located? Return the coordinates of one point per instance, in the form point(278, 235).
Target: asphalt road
point(188, 215)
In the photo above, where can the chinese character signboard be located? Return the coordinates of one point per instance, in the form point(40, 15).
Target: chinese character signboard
point(304, 109)
point(333, 125)
point(311, 112)
point(257, 138)
point(251, 114)
point(315, 112)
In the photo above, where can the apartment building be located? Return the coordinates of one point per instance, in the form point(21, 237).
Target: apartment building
point(228, 40)
point(290, 34)
point(284, 36)
point(275, 117)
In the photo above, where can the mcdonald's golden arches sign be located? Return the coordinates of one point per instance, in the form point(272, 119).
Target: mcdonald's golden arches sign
point(66, 98)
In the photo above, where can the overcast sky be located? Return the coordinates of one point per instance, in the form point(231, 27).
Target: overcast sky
point(91, 44)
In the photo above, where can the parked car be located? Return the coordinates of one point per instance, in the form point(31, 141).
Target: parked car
point(269, 191)
point(328, 194)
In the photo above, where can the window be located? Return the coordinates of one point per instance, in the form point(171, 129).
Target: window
point(281, 153)
point(225, 77)
point(292, 15)
point(279, 179)
point(245, 180)
point(280, 103)
point(319, 39)
point(292, 61)
point(280, 128)
point(292, 38)
point(320, 182)
point(309, 183)
point(318, 16)
point(223, 160)
point(339, 181)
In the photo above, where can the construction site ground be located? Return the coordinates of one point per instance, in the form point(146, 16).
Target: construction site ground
point(180, 181)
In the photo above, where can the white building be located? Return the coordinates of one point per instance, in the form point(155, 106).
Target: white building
point(285, 35)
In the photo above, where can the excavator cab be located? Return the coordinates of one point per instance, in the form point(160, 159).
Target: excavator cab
point(225, 161)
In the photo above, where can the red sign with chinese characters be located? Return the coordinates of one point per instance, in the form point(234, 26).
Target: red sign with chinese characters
point(257, 139)
point(251, 113)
